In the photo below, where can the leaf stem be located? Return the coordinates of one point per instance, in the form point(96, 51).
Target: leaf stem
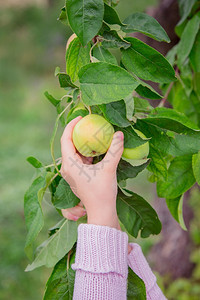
point(52, 179)
point(92, 49)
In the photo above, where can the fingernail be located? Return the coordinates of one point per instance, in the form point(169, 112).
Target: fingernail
point(84, 213)
point(120, 135)
point(75, 218)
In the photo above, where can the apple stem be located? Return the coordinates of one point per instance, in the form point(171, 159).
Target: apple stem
point(89, 109)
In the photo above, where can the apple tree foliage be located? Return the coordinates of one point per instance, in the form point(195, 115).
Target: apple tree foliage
point(117, 89)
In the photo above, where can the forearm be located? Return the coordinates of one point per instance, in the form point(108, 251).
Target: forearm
point(137, 262)
point(101, 263)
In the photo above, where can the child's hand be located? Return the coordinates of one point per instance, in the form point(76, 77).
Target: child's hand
point(94, 184)
point(74, 213)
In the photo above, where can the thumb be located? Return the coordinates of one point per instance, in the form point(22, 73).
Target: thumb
point(115, 151)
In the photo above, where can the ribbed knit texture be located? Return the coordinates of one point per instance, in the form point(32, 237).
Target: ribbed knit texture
point(137, 262)
point(101, 265)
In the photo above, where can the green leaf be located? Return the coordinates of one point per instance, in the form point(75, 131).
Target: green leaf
point(111, 39)
point(76, 57)
point(104, 83)
point(194, 54)
point(125, 170)
point(180, 178)
point(146, 91)
point(176, 209)
point(34, 162)
point(196, 166)
point(56, 246)
point(136, 214)
point(196, 80)
point(180, 100)
point(146, 62)
point(142, 105)
point(64, 197)
point(131, 139)
point(60, 285)
point(85, 18)
point(115, 113)
point(110, 15)
point(195, 101)
point(136, 289)
point(54, 101)
point(65, 80)
point(187, 39)
point(171, 55)
point(33, 210)
point(182, 144)
point(113, 3)
point(170, 119)
point(158, 165)
point(141, 22)
point(168, 142)
point(79, 112)
point(185, 7)
point(104, 55)
point(56, 227)
point(129, 102)
point(63, 16)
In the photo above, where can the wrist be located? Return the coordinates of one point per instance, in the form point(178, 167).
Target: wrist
point(104, 218)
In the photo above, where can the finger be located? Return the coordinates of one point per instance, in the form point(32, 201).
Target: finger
point(67, 146)
point(115, 151)
point(74, 212)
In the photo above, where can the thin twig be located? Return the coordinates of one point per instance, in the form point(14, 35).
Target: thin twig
point(162, 102)
point(59, 160)
point(53, 136)
point(66, 96)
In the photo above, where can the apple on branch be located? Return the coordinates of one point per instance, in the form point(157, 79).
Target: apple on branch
point(139, 152)
point(92, 135)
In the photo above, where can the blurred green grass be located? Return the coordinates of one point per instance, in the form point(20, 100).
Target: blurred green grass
point(32, 44)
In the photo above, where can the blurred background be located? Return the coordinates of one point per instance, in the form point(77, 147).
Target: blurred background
point(32, 44)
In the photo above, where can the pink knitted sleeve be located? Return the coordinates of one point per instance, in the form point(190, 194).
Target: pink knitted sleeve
point(101, 263)
point(137, 262)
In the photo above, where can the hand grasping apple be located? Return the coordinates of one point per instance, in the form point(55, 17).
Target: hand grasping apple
point(94, 184)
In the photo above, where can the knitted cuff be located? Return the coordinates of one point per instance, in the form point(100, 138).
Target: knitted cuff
point(137, 262)
point(101, 249)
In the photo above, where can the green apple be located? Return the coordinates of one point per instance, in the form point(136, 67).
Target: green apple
point(92, 135)
point(139, 152)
